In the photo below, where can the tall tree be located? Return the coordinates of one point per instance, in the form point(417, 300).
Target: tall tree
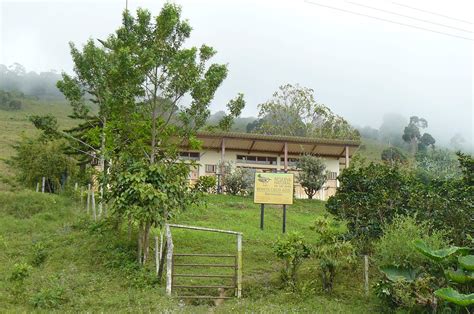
point(153, 93)
point(293, 111)
point(413, 136)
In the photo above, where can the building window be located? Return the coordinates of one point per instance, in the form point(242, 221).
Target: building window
point(262, 160)
point(331, 175)
point(292, 162)
point(189, 155)
point(211, 168)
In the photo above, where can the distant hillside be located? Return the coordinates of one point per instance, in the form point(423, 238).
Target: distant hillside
point(14, 124)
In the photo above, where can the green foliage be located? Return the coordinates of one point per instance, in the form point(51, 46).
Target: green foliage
point(437, 164)
point(148, 194)
point(51, 296)
point(443, 258)
point(401, 290)
point(36, 159)
point(293, 111)
point(331, 250)
point(370, 196)
point(393, 155)
point(10, 101)
point(451, 295)
point(437, 255)
point(312, 174)
point(292, 249)
point(48, 124)
point(395, 246)
point(39, 254)
point(206, 184)
point(20, 272)
point(466, 262)
point(412, 135)
point(237, 181)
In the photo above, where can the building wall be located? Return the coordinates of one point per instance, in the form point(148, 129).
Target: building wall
point(211, 159)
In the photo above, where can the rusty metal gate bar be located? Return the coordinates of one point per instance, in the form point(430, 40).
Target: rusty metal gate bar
point(175, 286)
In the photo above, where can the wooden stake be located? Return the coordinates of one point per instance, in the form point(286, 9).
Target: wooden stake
point(37, 186)
point(88, 198)
point(157, 255)
point(366, 274)
point(43, 184)
point(93, 204)
point(75, 186)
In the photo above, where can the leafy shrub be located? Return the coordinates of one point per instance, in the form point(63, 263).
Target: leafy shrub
point(39, 254)
point(331, 251)
point(396, 247)
point(36, 159)
point(292, 249)
point(20, 272)
point(416, 287)
point(50, 296)
point(393, 155)
point(369, 196)
point(312, 174)
point(206, 184)
point(238, 182)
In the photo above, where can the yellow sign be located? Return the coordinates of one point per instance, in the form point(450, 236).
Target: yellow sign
point(273, 188)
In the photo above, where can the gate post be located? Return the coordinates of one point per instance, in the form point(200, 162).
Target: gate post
point(239, 265)
point(169, 261)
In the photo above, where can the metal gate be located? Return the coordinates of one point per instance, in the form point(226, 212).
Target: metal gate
point(181, 262)
point(176, 265)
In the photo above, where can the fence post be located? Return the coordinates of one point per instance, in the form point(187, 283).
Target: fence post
point(157, 255)
point(239, 265)
point(88, 197)
point(37, 186)
point(169, 261)
point(75, 186)
point(366, 274)
point(93, 204)
point(43, 182)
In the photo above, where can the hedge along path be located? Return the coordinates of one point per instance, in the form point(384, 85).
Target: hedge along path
point(171, 266)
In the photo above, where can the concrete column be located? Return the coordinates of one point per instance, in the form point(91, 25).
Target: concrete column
point(347, 157)
point(286, 156)
point(222, 163)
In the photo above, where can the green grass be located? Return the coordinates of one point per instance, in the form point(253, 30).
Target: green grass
point(15, 124)
point(91, 266)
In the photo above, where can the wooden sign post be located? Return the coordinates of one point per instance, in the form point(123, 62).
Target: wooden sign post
point(273, 188)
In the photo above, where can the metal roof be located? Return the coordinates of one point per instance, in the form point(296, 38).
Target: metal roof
point(251, 142)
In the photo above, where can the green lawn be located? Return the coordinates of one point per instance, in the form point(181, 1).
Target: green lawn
point(91, 266)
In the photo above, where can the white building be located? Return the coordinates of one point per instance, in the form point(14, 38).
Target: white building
point(270, 153)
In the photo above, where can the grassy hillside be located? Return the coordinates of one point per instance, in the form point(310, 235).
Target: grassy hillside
point(15, 124)
point(90, 267)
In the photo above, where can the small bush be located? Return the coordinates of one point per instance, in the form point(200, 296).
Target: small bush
point(238, 182)
point(19, 274)
point(396, 247)
point(39, 254)
point(292, 249)
point(206, 184)
point(51, 296)
point(331, 251)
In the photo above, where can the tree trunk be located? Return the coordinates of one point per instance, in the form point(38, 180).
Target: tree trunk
point(146, 242)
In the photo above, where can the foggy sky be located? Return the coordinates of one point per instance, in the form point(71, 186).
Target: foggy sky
point(358, 66)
